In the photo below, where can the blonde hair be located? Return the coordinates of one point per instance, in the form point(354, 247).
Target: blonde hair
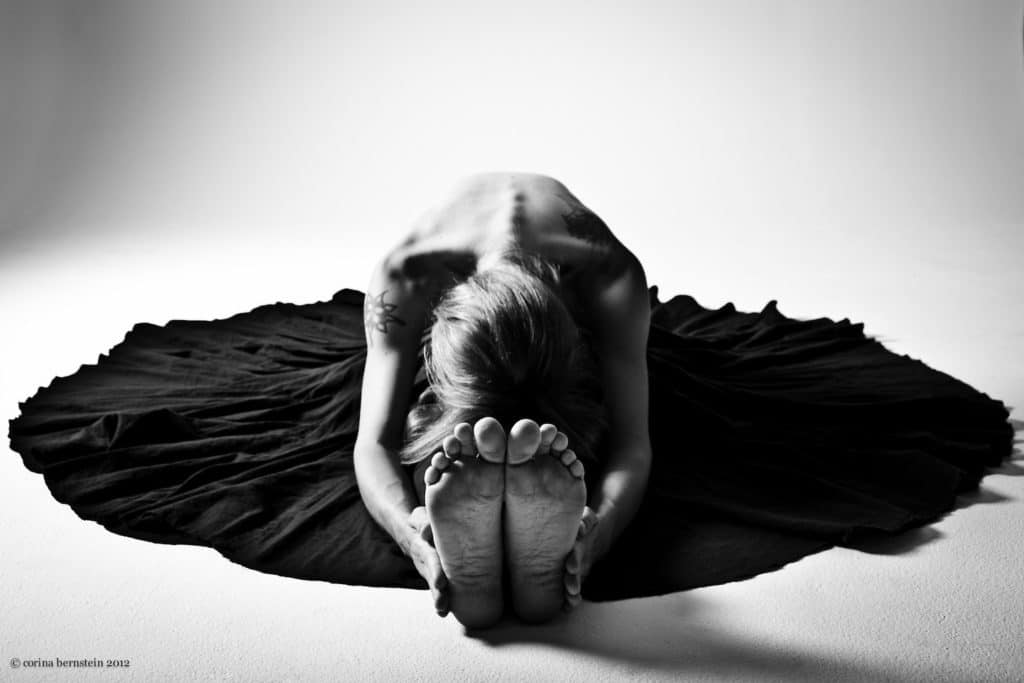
point(504, 344)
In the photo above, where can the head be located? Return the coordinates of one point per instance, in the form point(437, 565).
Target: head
point(503, 344)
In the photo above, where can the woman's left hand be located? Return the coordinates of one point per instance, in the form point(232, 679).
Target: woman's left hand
point(580, 558)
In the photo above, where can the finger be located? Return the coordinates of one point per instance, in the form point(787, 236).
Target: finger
point(438, 586)
point(574, 561)
point(588, 521)
point(418, 517)
point(572, 584)
point(439, 592)
point(440, 580)
point(570, 602)
point(441, 605)
point(435, 574)
point(440, 600)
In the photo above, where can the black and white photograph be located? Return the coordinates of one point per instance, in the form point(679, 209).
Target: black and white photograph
point(464, 340)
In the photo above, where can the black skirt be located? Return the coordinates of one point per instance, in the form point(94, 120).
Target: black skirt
point(773, 438)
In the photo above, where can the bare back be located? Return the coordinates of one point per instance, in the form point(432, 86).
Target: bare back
point(488, 214)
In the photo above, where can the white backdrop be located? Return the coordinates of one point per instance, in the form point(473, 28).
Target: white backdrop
point(722, 140)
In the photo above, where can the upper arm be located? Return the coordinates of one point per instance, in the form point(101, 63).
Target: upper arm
point(394, 313)
point(623, 317)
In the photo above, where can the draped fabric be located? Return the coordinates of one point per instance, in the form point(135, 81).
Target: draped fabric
point(772, 438)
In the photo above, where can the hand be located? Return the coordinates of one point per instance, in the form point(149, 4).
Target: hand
point(424, 556)
point(580, 558)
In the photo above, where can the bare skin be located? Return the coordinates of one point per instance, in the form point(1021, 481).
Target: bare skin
point(544, 500)
point(464, 498)
point(447, 526)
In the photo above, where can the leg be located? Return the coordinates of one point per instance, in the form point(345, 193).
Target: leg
point(464, 497)
point(544, 500)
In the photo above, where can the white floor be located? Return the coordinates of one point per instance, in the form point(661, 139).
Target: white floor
point(947, 608)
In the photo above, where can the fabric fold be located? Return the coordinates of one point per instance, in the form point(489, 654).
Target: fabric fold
point(773, 438)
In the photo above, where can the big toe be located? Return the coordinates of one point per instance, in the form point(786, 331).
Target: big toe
point(490, 439)
point(524, 439)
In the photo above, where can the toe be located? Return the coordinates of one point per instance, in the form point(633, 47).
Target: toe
point(490, 439)
point(440, 462)
point(572, 463)
point(524, 439)
point(559, 443)
point(452, 447)
point(548, 432)
point(431, 475)
point(464, 433)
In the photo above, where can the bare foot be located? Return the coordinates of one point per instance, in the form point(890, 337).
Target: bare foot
point(544, 500)
point(464, 497)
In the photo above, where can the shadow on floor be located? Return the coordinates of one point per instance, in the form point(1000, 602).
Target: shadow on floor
point(895, 544)
point(980, 496)
point(676, 633)
point(882, 543)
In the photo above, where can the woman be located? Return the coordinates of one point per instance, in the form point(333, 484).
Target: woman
point(529, 298)
point(730, 442)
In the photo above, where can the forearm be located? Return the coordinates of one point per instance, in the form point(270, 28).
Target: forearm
point(386, 491)
point(619, 493)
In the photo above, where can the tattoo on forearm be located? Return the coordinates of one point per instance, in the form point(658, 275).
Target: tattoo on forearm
point(378, 314)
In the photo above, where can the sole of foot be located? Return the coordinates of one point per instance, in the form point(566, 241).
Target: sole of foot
point(464, 499)
point(544, 500)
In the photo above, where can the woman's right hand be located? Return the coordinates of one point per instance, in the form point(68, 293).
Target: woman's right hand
point(426, 559)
